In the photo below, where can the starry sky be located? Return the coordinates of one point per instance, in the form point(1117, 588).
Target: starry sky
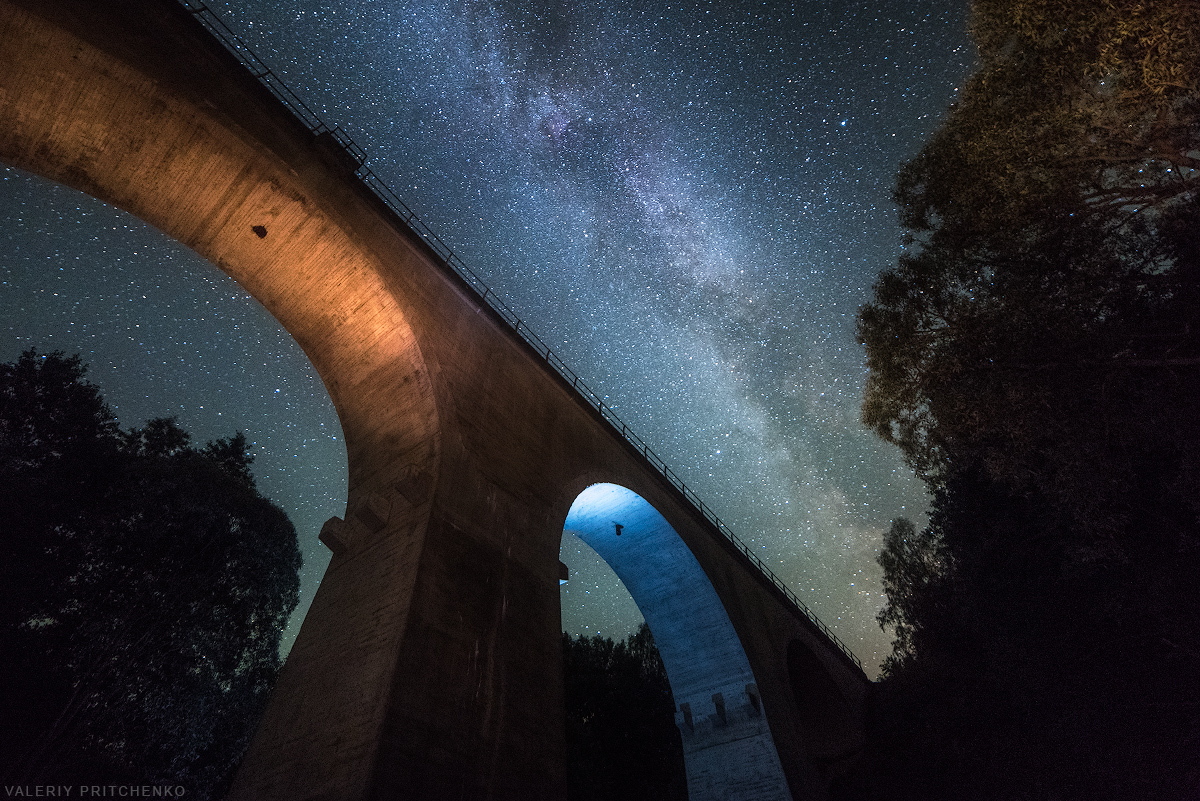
point(687, 200)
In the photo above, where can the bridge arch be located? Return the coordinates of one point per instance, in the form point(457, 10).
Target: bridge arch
point(202, 162)
point(426, 665)
point(77, 115)
point(728, 749)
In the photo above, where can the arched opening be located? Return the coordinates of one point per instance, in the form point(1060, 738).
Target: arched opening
point(728, 749)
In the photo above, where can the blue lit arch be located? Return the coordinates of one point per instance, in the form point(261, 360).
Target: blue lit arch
point(727, 744)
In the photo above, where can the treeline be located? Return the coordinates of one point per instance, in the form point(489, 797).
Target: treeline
point(622, 742)
point(1035, 354)
point(143, 591)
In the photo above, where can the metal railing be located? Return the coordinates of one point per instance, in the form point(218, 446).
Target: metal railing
point(357, 163)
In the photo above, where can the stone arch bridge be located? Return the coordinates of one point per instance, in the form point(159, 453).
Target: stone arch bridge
point(429, 664)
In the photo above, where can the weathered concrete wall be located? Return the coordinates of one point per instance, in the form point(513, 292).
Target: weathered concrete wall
point(429, 664)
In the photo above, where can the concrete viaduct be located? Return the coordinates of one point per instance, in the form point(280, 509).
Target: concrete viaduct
point(429, 665)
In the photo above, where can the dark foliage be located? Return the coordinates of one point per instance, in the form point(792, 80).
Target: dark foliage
point(1032, 672)
point(1036, 354)
point(144, 590)
point(622, 742)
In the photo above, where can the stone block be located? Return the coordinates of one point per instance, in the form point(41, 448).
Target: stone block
point(336, 535)
point(719, 702)
point(755, 700)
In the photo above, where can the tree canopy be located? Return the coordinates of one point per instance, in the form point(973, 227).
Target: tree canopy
point(1034, 353)
point(622, 742)
point(1078, 107)
point(1059, 193)
point(144, 592)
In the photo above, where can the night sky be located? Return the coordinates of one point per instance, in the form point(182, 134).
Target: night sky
point(687, 201)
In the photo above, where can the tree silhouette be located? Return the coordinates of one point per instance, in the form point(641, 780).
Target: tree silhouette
point(622, 742)
point(145, 589)
point(1050, 225)
point(1035, 355)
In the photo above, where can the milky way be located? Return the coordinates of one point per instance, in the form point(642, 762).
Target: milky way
point(688, 201)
